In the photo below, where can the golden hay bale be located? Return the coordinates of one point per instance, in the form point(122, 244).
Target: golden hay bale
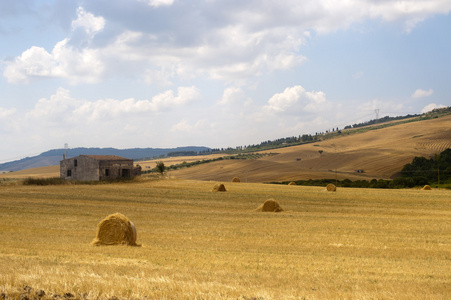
point(116, 229)
point(292, 183)
point(270, 205)
point(331, 187)
point(236, 179)
point(426, 188)
point(219, 187)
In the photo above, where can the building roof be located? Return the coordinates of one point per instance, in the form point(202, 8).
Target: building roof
point(107, 157)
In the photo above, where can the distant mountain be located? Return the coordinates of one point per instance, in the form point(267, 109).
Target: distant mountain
point(53, 157)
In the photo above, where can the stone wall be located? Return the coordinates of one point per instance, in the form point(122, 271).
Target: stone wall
point(88, 168)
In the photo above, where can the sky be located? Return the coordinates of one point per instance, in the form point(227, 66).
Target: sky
point(170, 73)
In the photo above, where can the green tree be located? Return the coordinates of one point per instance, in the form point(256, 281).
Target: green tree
point(160, 167)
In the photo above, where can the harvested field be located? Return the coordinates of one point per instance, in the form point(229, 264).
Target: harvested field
point(380, 153)
point(353, 244)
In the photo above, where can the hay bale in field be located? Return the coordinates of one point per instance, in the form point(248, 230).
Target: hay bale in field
point(331, 187)
point(270, 205)
point(426, 188)
point(236, 179)
point(219, 187)
point(292, 183)
point(116, 229)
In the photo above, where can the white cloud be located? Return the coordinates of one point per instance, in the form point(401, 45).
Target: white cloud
point(77, 65)
point(111, 108)
point(410, 12)
point(219, 40)
point(8, 120)
point(157, 3)
point(63, 62)
point(296, 99)
point(62, 108)
point(192, 128)
point(4, 112)
point(232, 95)
point(422, 93)
point(183, 125)
point(56, 108)
point(430, 107)
point(34, 62)
point(158, 77)
point(168, 99)
point(63, 118)
point(90, 23)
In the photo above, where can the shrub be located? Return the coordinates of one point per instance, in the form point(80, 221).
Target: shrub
point(45, 181)
point(160, 167)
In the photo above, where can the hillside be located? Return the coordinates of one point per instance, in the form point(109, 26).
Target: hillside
point(53, 157)
point(379, 153)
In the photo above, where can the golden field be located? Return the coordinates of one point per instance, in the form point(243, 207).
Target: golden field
point(381, 153)
point(197, 244)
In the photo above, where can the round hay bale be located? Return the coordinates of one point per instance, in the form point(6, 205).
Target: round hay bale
point(292, 183)
point(236, 179)
point(270, 205)
point(331, 187)
point(219, 187)
point(116, 229)
point(426, 188)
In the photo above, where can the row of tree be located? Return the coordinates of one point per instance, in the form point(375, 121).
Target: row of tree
point(421, 171)
point(379, 120)
point(429, 171)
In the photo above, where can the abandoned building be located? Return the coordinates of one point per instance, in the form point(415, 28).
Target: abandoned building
point(98, 167)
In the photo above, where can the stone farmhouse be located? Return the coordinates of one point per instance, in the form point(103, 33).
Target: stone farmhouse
point(97, 168)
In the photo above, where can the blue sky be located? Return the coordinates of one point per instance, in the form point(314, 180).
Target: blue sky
point(168, 73)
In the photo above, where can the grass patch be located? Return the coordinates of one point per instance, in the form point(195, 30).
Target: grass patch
point(185, 164)
point(351, 244)
point(62, 181)
point(45, 181)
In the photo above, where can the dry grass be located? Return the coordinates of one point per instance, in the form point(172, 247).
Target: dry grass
point(150, 164)
point(352, 244)
point(42, 172)
point(380, 153)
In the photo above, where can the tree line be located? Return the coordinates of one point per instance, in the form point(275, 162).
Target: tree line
point(435, 171)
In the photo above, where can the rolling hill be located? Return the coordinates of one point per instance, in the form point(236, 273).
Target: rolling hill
point(377, 151)
point(53, 157)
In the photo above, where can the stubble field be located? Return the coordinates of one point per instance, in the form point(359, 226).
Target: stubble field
point(197, 244)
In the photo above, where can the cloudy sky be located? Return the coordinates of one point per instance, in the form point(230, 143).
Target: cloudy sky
point(168, 73)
